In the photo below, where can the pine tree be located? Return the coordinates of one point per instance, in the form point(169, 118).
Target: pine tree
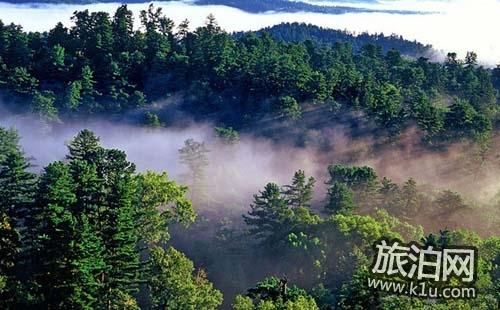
point(340, 199)
point(120, 234)
point(85, 146)
point(73, 96)
point(68, 253)
point(16, 186)
point(104, 188)
point(89, 265)
point(10, 247)
point(16, 197)
point(300, 192)
point(269, 216)
point(88, 91)
point(410, 199)
point(194, 155)
point(123, 28)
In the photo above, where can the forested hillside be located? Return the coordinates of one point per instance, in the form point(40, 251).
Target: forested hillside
point(300, 32)
point(91, 231)
point(102, 65)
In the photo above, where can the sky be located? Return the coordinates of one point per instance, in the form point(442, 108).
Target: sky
point(453, 25)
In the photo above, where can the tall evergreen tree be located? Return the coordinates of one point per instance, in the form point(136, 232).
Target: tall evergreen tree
point(300, 192)
point(340, 199)
point(194, 155)
point(68, 253)
point(105, 192)
point(269, 217)
point(17, 186)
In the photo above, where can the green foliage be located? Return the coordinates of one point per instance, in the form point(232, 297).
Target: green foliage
point(463, 119)
point(354, 177)
point(356, 295)
point(101, 64)
point(364, 228)
point(350, 187)
point(340, 199)
point(58, 55)
point(160, 202)
point(274, 293)
point(16, 182)
point(269, 215)
point(174, 286)
point(43, 105)
point(289, 107)
point(72, 99)
point(57, 228)
point(278, 215)
point(411, 198)
point(300, 192)
point(83, 228)
point(428, 116)
point(10, 247)
point(91, 226)
point(96, 230)
point(17, 186)
point(21, 82)
point(228, 135)
point(152, 120)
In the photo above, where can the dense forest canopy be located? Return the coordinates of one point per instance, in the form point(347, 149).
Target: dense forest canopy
point(90, 231)
point(300, 32)
point(102, 65)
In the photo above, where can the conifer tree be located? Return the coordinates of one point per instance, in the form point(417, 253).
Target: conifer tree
point(105, 192)
point(300, 192)
point(194, 155)
point(269, 215)
point(17, 186)
point(68, 252)
point(340, 199)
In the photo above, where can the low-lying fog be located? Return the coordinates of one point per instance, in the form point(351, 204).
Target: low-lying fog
point(454, 25)
point(236, 172)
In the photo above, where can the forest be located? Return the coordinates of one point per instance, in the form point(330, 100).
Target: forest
point(300, 32)
point(91, 231)
point(102, 65)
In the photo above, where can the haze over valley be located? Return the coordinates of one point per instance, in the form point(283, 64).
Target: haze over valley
point(248, 154)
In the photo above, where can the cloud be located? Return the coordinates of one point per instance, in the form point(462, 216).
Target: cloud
point(457, 25)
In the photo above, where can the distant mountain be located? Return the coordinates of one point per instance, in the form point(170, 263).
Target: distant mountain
point(251, 6)
point(299, 32)
point(260, 6)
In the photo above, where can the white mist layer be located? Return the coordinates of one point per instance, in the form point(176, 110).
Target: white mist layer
point(457, 25)
point(234, 172)
point(237, 172)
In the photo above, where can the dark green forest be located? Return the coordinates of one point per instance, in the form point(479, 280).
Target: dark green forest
point(102, 65)
point(93, 232)
point(300, 32)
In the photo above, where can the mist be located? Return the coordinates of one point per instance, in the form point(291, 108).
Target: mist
point(236, 172)
point(450, 26)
